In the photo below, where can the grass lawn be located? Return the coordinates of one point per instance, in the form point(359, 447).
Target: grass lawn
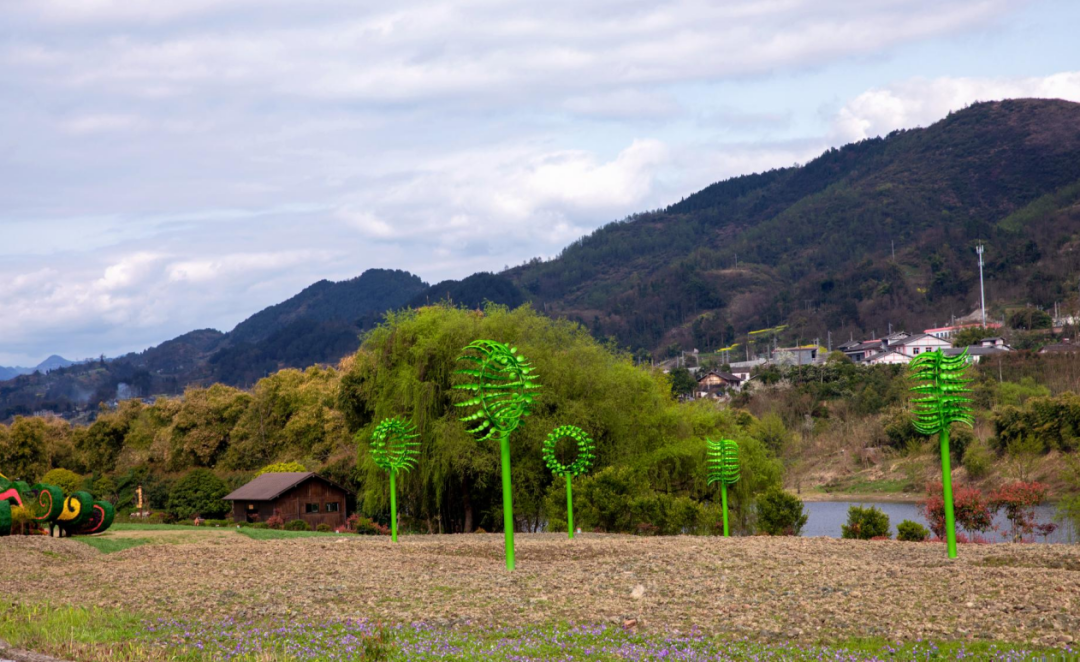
point(107, 545)
point(93, 635)
point(275, 534)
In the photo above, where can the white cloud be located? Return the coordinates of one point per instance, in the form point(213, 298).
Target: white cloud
point(176, 164)
point(920, 101)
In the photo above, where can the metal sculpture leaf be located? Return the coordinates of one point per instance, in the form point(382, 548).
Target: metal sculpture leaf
point(723, 464)
point(502, 382)
point(943, 388)
point(392, 445)
point(723, 461)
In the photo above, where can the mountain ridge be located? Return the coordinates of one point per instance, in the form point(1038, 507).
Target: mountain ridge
point(876, 233)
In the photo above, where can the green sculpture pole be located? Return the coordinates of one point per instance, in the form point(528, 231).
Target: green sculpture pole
point(569, 505)
point(579, 466)
point(501, 387)
point(942, 404)
point(393, 449)
point(723, 465)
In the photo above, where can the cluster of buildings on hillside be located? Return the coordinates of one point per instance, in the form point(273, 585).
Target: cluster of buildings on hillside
point(895, 348)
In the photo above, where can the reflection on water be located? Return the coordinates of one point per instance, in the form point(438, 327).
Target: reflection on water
point(826, 517)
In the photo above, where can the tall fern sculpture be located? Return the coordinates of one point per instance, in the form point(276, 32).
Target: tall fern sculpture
point(393, 449)
point(579, 466)
point(723, 469)
point(942, 403)
point(502, 387)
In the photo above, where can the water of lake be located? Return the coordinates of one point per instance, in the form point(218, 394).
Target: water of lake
point(826, 517)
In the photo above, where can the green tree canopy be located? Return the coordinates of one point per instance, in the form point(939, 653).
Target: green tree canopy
point(199, 492)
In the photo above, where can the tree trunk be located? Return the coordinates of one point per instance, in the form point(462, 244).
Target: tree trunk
point(467, 503)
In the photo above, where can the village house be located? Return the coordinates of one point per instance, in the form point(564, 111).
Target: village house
point(302, 495)
point(804, 355)
point(715, 384)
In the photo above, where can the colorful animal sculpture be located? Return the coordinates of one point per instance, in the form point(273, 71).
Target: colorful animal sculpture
point(78, 514)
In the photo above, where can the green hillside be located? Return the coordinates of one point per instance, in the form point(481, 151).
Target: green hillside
point(812, 245)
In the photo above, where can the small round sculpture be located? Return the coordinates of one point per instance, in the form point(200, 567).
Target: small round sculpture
point(579, 466)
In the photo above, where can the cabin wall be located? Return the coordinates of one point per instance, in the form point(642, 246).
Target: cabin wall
point(291, 504)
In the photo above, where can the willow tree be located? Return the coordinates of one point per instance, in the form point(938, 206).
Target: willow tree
point(583, 458)
point(502, 385)
point(942, 403)
point(393, 450)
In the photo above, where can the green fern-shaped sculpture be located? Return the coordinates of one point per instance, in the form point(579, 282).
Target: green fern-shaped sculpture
point(393, 449)
point(580, 465)
point(942, 387)
point(723, 464)
point(502, 386)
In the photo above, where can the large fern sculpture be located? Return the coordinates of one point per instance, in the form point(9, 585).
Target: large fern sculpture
point(723, 464)
point(582, 461)
point(942, 402)
point(393, 449)
point(502, 384)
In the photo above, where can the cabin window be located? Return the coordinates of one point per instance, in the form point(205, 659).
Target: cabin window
point(311, 508)
point(332, 507)
point(915, 351)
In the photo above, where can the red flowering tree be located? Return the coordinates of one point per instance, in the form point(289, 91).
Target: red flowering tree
point(974, 513)
point(1018, 500)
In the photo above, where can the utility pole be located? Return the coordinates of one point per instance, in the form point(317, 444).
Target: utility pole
point(982, 290)
point(828, 335)
point(893, 244)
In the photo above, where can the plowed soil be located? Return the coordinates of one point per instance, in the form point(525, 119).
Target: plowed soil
point(812, 589)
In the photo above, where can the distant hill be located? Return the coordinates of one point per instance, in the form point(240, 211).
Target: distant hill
point(812, 245)
point(51, 363)
point(321, 324)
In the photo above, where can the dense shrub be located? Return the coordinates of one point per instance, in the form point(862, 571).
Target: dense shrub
point(22, 522)
point(324, 528)
point(619, 500)
point(1018, 501)
point(911, 531)
point(280, 468)
point(970, 509)
point(297, 525)
point(368, 527)
point(275, 521)
point(1053, 420)
point(780, 513)
point(199, 492)
point(68, 481)
point(977, 459)
point(865, 523)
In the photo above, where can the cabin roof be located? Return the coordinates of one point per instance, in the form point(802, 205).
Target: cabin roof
point(268, 487)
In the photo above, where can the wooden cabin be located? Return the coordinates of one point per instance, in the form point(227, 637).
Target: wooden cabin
point(294, 495)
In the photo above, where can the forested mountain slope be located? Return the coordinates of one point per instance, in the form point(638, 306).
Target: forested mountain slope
point(812, 245)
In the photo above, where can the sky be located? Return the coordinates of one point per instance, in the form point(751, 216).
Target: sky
point(170, 165)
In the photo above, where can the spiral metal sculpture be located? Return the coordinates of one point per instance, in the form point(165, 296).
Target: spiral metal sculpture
point(502, 386)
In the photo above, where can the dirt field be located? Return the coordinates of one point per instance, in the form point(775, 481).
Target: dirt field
point(812, 589)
